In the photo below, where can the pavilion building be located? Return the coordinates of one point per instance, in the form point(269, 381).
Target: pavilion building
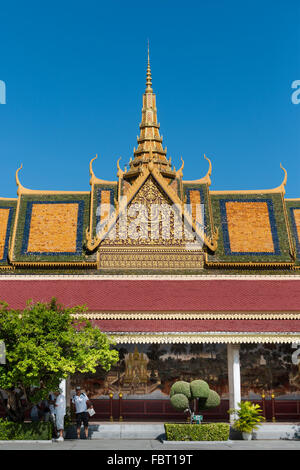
point(190, 282)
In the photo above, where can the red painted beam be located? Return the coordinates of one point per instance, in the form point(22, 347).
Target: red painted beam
point(198, 325)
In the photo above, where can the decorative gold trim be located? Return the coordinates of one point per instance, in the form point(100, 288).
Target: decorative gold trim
point(253, 277)
point(148, 248)
point(283, 184)
point(120, 174)
point(225, 338)
point(42, 264)
point(188, 316)
point(292, 245)
point(210, 242)
point(92, 174)
point(179, 173)
point(278, 189)
point(20, 187)
point(93, 243)
point(250, 264)
point(153, 258)
point(13, 238)
point(94, 179)
point(23, 190)
point(8, 199)
point(92, 194)
point(6, 267)
point(120, 171)
point(212, 264)
point(211, 219)
point(206, 179)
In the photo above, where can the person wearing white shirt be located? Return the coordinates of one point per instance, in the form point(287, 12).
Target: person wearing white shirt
point(60, 411)
point(81, 403)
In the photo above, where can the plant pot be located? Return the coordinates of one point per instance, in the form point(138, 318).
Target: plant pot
point(247, 436)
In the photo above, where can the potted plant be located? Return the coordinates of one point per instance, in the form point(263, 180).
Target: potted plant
point(248, 418)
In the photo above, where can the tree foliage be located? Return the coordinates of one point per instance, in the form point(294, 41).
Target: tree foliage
point(44, 344)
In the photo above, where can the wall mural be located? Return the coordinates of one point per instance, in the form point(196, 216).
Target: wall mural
point(148, 371)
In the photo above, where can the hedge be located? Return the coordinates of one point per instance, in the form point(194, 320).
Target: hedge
point(197, 432)
point(25, 431)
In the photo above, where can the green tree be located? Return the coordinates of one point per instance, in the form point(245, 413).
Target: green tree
point(44, 344)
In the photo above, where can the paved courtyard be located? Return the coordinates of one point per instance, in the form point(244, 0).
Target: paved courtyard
point(150, 445)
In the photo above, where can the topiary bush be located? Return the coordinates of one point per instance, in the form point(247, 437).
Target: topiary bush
point(181, 387)
point(183, 394)
point(199, 389)
point(180, 402)
point(212, 401)
point(203, 432)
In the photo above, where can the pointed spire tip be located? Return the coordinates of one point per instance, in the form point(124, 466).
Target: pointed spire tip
point(148, 75)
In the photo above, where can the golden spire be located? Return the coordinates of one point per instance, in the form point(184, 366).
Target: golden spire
point(149, 141)
point(148, 75)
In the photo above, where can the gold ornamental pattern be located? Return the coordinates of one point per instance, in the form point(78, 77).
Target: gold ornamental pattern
point(157, 226)
point(149, 258)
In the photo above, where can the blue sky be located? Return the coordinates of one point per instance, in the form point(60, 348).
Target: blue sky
point(222, 72)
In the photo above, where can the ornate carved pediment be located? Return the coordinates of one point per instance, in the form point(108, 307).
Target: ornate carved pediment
point(155, 199)
point(150, 220)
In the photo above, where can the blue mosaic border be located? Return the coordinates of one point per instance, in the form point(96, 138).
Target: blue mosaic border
point(9, 221)
point(272, 220)
point(99, 190)
point(79, 236)
point(202, 201)
point(294, 227)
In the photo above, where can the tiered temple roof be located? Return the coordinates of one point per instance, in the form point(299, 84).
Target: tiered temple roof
point(231, 277)
point(70, 231)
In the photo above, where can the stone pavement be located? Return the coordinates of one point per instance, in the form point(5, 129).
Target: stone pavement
point(150, 445)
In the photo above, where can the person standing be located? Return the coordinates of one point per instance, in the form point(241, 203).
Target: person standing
point(35, 413)
point(48, 408)
point(60, 411)
point(51, 401)
point(81, 403)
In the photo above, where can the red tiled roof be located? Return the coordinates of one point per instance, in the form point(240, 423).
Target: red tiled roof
point(157, 295)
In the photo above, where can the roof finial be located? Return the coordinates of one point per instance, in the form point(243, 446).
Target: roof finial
point(149, 77)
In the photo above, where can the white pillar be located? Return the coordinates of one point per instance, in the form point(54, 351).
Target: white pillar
point(234, 376)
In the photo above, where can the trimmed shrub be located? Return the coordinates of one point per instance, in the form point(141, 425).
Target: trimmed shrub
point(180, 402)
point(213, 400)
point(199, 389)
point(197, 432)
point(181, 387)
point(25, 431)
